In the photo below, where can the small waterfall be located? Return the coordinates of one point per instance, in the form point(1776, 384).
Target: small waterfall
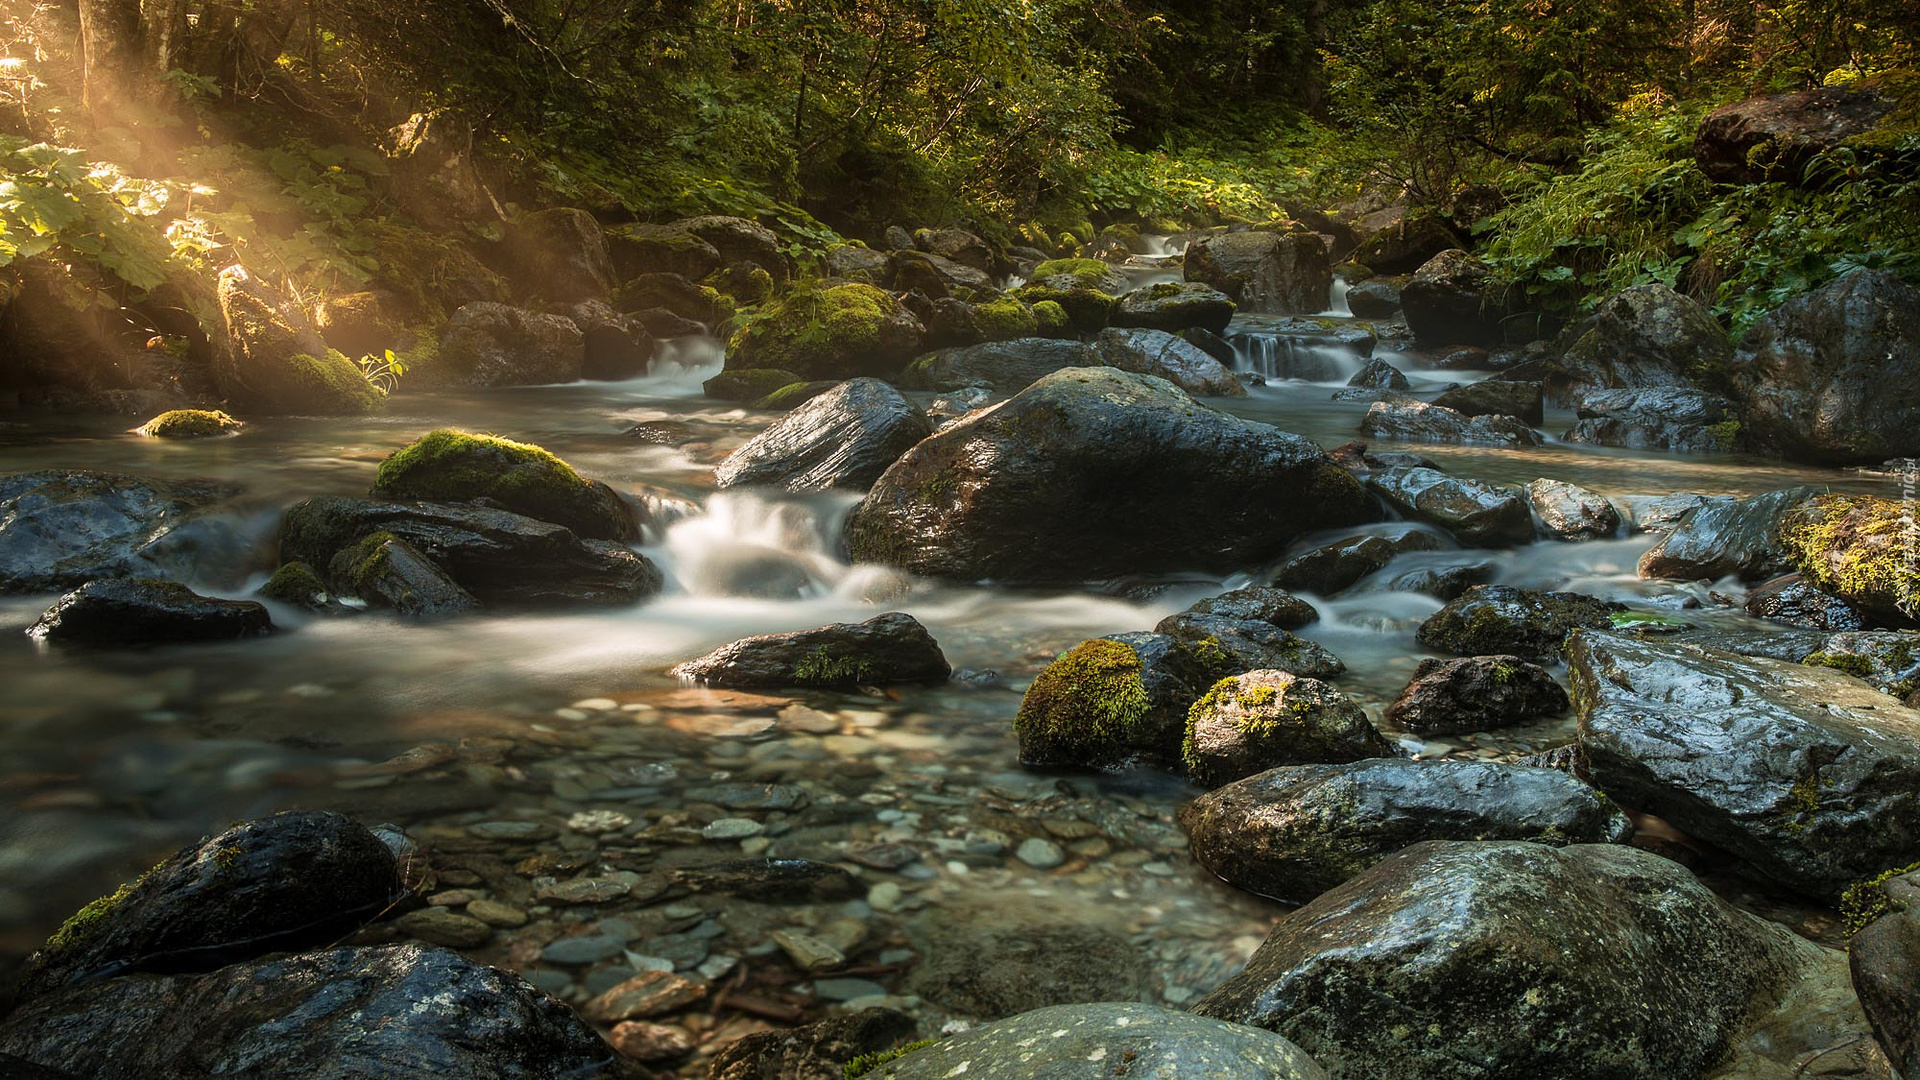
point(1158, 246)
point(1337, 299)
point(1276, 356)
point(745, 544)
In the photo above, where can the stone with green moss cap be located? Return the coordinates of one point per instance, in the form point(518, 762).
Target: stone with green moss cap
point(1256, 720)
point(1110, 703)
point(274, 360)
point(833, 332)
point(388, 572)
point(189, 424)
point(1174, 306)
point(1861, 549)
point(455, 466)
point(886, 649)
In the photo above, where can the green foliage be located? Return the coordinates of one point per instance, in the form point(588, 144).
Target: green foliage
point(1865, 901)
point(383, 371)
point(56, 201)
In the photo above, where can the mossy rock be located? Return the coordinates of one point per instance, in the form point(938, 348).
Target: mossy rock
point(298, 585)
point(1051, 319)
point(749, 384)
point(1090, 708)
point(1085, 308)
point(1859, 548)
point(795, 394)
point(456, 466)
point(1087, 273)
point(834, 332)
point(1259, 720)
point(1005, 319)
point(745, 283)
point(189, 424)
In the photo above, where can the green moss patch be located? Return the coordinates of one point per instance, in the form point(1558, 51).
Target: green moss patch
point(866, 1063)
point(1865, 901)
point(295, 583)
point(749, 384)
point(1005, 319)
point(1091, 273)
point(1085, 709)
point(1085, 308)
point(841, 330)
point(457, 466)
point(189, 424)
point(1858, 548)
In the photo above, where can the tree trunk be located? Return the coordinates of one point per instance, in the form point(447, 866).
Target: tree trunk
point(126, 47)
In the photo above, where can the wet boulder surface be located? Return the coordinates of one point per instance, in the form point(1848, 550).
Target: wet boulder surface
point(1808, 775)
point(1174, 306)
point(1330, 567)
point(1475, 693)
point(1571, 512)
point(1724, 536)
point(1222, 645)
point(60, 529)
point(1006, 366)
point(1260, 719)
point(891, 648)
point(1476, 513)
point(1175, 359)
point(1049, 487)
point(1676, 418)
point(341, 1014)
point(1884, 960)
point(1267, 272)
point(843, 438)
point(1489, 620)
point(142, 611)
point(817, 1051)
point(1091, 1042)
point(1497, 397)
point(1456, 960)
point(1294, 832)
point(1419, 421)
point(455, 466)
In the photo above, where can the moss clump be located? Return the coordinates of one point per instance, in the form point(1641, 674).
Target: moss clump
point(296, 583)
point(360, 564)
point(189, 424)
point(1866, 900)
point(1086, 708)
point(1086, 308)
point(83, 926)
point(1090, 273)
point(1005, 319)
point(1725, 434)
point(744, 282)
point(1050, 318)
point(1857, 547)
point(794, 394)
point(1852, 663)
point(823, 667)
point(457, 466)
point(332, 383)
point(842, 330)
point(866, 1063)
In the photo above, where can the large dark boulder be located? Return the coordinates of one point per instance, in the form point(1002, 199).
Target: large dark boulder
point(141, 611)
point(1090, 1042)
point(828, 333)
point(1791, 599)
point(288, 881)
point(1330, 567)
point(1571, 512)
point(1265, 272)
point(1292, 833)
point(1497, 397)
point(488, 344)
point(1175, 359)
point(1725, 536)
point(456, 466)
point(1475, 693)
point(1394, 242)
point(497, 556)
point(1829, 376)
point(1497, 620)
point(1884, 958)
point(1774, 138)
point(1050, 487)
point(1640, 337)
point(1260, 719)
point(638, 248)
point(615, 345)
point(739, 240)
point(61, 528)
point(1418, 421)
point(342, 1014)
point(1475, 512)
point(1174, 306)
point(1005, 366)
point(1674, 418)
point(1810, 776)
point(844, 438)
point(1469, 961)
point(1224, 645)
point(1450, 301)
point(886, 649)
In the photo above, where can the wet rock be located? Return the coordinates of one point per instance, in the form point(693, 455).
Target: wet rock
point(456, 466)
point(1804, 773)
point(1110, 703)
point(675, 295)
point(886, 649)
point(1156, 352)
point(1174, 306)
point(772, 881)
point(1443, 580)
point(1658, 983)
point(1775, 137)
point(1497, 397)
point(1259, 603)
point(559, 254)
point(287, 881)
point(1886, 659)
point(1859, 548)
point(844, 438)
point(1218, 646)
point(1449, 302)
point(298, 585)
point(274, 360)
point(959, 245)
point(1004, 366)
point(1475, 693)
point(488, 344)
point(1375, 298)
point(1500, 620)
point(387, 572)
point(1790, 599)
point(1571, 512)
point(1476, 513)
point(498, 557)
point(857, 262)
point(189, 424)
point(639, 248)
point(1660, 513)
point(818, 1051)
point(1418, 421)
point(1655, 418)
point(1642, 337)
point(748, 384)
point(1260, 719)
point(341, 1014)
point(740, 240)
point(1884, 959)
point(1292, 833)
point(614, 345)
point(142, 611)
point(1092, 1042)
point(1048, 487)
point(1264, 272)
point(829, 333)
point(1377, 374)
point(934, 275)
point(1334, 566)
point(1396, 242)
point(1726, 537)
point(990, 968)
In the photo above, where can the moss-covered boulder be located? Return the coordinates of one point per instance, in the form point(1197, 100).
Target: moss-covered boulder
point(189, 424)
point(1292, 833)
point(1267, 272)
point(834, 332)
point(1222, 645)
point(740, 240)
point(1093, 708)
point(1087, 307)
point(677, 295)
point(751, 384)
point(455, 466)
point(1174, 306)
point(299, 585)
point(274, 360)
point(638, 248)
point(884, 650)
point(1490, 620)
point(1475, 693)
point(745, 284)
point(1005, 319)
point(1639, 338)
point(1050, 487)
point(1258, 720)
point(1861, 549)
point(1886, 659)
point(386, 571)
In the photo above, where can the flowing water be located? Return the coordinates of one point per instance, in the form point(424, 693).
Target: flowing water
point(110, 759)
